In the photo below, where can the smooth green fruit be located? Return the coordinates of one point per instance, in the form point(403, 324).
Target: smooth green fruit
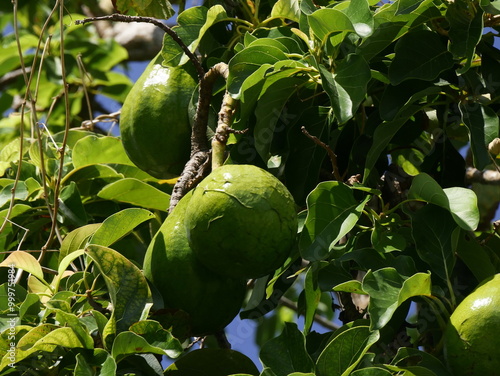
point(472, 338)
point(241, 221)
point(210, 300)
point(154, 122)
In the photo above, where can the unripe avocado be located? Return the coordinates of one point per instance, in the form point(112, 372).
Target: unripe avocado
point(472, 337)
point(212, 301)
point(241, 221)
point(154, 123)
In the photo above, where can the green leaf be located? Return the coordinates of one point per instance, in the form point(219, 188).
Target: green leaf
point(147, 8)
point(287, 353)
point(288, 9)
point(332, 213)
point(128, 289)
point(408, 359)
point(476, 257)
point(80, 330)
point(136, 192)
point(433, 231)
point(270, 110)
point(25, 261)
point(158, 337)
point(361, 17)
point(213, 362)
point(386, 131)
point(129, 343)
point(371, 371)
point(483, 125)
point(21, 193)
point(419, 55)
point(492, 7)
point(70, 206)
point(247, 61)
point(77, 239)
point(63, 265)
point(346, 87)
point(193, 23)
point(345, 351)
point(92, 150)
point(466, 29)
point(118, 225)
point(312, 297)
point(82, 367)
point(461, 202)
point(325, 22)
point(388, 289)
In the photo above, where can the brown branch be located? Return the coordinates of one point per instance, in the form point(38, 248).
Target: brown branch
point(198, 165)
point(223, 130)
point(317, 318)
point(154, 21)
point(473, 175)
point(331, 154)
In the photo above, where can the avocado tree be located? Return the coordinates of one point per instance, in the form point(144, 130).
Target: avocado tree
point(374, 126)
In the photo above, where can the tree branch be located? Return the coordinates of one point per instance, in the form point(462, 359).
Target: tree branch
point(154, 21)
point(473, 175)
point(331, 154)
point(317, 318)
point(198, 166)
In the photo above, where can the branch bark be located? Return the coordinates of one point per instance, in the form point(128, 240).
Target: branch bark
point(473, 175)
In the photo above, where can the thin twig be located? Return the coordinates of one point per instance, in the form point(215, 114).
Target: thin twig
point(331, 154)
point(317, 318)
point(154, 21)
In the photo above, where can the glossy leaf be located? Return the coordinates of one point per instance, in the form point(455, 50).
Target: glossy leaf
point(346, 87)
point(25, 261)
point(312, 297)
point(345, 351)
point(158, 9)
point(388, 129)
point(213, 362)
point(288, 9)
point(388, 289)
point(270, 111)
point(434, 231)
point(249, 60)
point(361, 17)
point(129, 343)
point(287, 353)
point(466, 29)
point(136, 192)
point(371, 371)
point(332, 213)
point(419, 55)
point(129, 292)
point(325, 22)
point(158, 337)
point(483, 126)
point(461, 202)
point(475, 257)
point(118, 225)
point(77, 239)
point(92, 150)
point(193, 23)
point(408, 359)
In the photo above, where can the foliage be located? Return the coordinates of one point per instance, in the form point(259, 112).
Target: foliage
point(361, 108)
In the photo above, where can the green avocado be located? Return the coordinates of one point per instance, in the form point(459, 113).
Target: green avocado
point(210, 300)
point(472, 337)
point(154, 123)
point(241, 221)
